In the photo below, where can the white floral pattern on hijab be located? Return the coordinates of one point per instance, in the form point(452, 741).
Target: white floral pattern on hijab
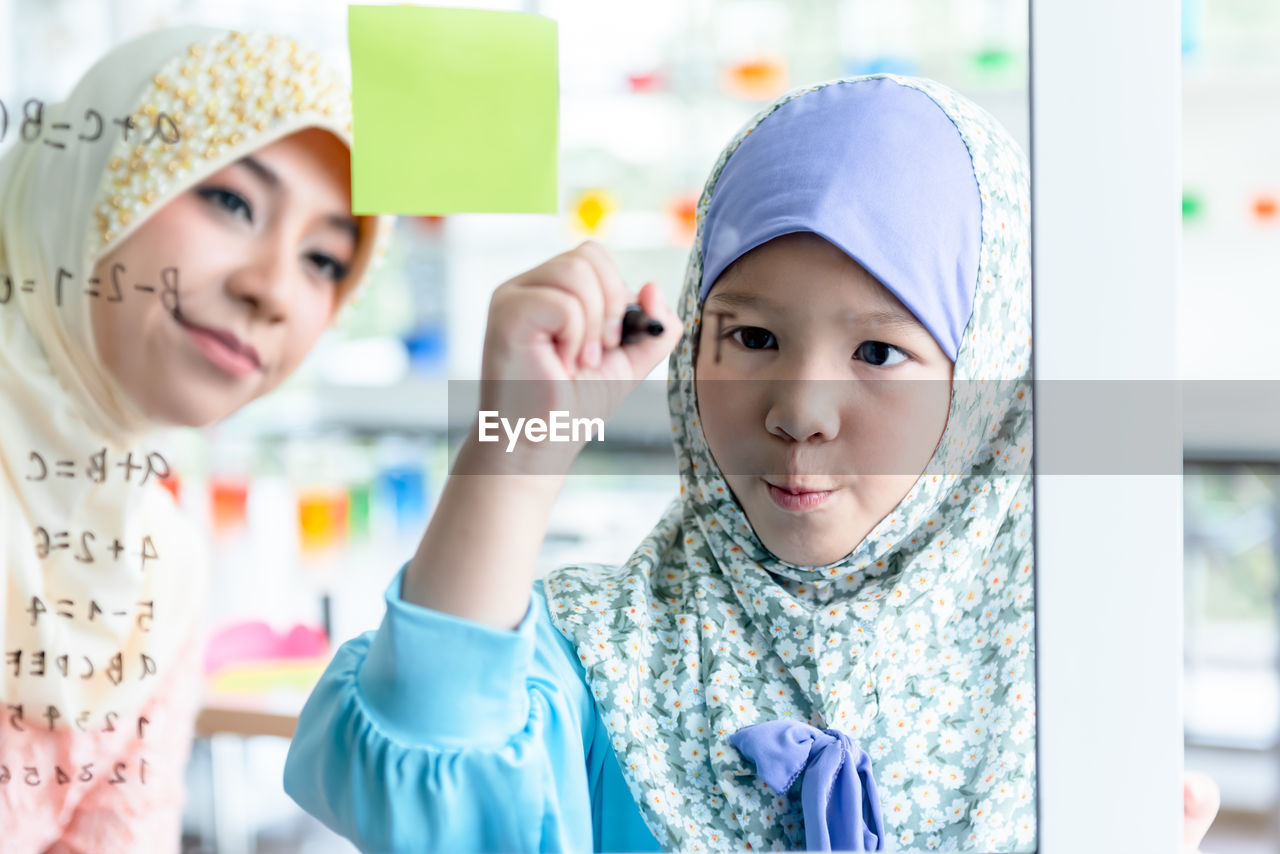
point(918, 644)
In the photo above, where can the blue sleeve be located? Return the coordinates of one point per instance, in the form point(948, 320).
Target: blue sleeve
point(436, 733)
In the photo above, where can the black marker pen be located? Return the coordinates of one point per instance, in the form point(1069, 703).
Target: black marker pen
point(636, 323)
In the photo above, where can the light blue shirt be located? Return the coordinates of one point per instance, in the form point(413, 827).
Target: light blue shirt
point(436, 733)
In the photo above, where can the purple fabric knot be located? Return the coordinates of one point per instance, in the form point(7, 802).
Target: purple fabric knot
point(840, 803)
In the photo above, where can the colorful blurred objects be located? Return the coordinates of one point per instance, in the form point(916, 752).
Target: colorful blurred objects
point(647, 81)
point(994, 60)
point(592, 209)
point(1191, 205)
point(1265, 207)
point(322, 517)
point(264, 677)
point(174, 484)
point(427, 347)
point(228, 498)
point(760, 78)
point(256, 641)
point(1192, 23)
point(684, 216)
point(359, 508)
point(406, 489)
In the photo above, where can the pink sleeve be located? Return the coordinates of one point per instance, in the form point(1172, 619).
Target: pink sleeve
point(126, 805)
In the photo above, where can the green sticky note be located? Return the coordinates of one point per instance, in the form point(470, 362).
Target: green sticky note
point(453, 110)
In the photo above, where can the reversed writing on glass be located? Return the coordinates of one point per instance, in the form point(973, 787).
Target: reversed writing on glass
point(17, 720)
point(34, 775)
point(40, 665)
point(90, 611)
point(112, 292)
point(98, 467)
point(721, 317)
point(91, 127)
point(48, 542)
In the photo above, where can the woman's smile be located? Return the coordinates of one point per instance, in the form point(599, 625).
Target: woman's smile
point(223, 350)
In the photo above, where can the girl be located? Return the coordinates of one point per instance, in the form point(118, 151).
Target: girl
point(826, 640)
point(172, 245)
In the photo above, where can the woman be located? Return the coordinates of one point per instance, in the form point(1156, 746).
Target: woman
point(173, 260)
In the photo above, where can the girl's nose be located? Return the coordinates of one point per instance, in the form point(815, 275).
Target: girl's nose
point(263, 282)
point(805, 409)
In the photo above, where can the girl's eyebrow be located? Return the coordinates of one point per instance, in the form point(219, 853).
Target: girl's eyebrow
point(888, 318)
point(732, 300)
point(340, 221)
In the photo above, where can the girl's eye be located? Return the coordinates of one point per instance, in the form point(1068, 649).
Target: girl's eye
point(232, 202)
point(878, 353)
point(754, 338)
point(328, 266)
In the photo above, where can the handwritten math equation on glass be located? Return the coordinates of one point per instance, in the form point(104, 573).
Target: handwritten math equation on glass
point(112, 291)
point(92, 126)
point(26, 719)
point(15, 718)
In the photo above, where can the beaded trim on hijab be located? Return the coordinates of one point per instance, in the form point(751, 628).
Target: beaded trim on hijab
point(216, 93)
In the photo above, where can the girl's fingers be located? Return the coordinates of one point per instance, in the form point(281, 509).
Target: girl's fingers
point(570, 275)
point(656, 306)
point(616, 296)
point(575, 273)
point(578, 299)
point(557, 314)
point(571, 340)
point(1200, 801)
point(646, 351)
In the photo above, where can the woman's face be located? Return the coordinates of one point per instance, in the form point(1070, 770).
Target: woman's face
point(821, 396)
point(261, 249)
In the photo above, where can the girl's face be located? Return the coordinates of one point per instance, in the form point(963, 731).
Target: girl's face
point(800, 373)
point(261, 249)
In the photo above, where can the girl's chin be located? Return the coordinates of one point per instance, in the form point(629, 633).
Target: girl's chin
point(811, 546)
point(807, 553)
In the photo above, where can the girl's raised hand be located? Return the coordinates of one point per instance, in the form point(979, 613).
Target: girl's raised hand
point(562, 321)
point(1200, 801)
point(553, 340)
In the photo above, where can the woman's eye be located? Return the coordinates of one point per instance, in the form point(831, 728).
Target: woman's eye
point(232, 202)
point(879, 354)
point(754, 338)
point(328, 266)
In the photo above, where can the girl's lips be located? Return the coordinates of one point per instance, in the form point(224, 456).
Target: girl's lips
point(220, 353)
point(797, 500)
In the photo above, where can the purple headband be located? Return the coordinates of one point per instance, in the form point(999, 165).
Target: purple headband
point(874, 167)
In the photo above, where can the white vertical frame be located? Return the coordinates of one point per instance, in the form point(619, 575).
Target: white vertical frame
point(1105, 128)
